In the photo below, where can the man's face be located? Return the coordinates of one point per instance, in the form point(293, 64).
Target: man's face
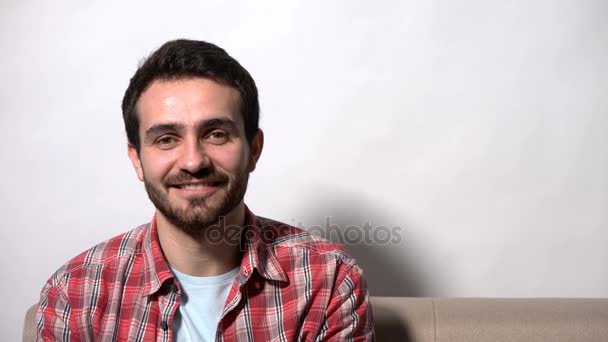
point(194, 157)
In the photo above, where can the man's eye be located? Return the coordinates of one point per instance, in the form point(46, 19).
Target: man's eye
point(165, 141)
point(218, 137)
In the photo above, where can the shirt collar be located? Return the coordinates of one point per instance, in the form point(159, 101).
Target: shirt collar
point(157, 268)
point(258, 254)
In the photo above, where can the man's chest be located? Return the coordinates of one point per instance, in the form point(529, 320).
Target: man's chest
point(259, 311)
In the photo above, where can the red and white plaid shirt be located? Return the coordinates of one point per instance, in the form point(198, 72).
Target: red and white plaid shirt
point(292, 286)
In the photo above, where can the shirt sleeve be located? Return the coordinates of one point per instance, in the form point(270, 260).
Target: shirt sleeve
point(53, 316)
point(349, 314)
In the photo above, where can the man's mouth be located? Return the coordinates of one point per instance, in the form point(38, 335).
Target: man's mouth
point(197, 186)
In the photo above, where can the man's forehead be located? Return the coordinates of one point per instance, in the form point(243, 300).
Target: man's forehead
point(188, 102)
point(164, 85)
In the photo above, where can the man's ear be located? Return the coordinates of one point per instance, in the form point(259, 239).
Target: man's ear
point(134, 156)
point(255, 149)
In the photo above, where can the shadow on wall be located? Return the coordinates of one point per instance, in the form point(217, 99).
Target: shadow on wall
point(373, 237)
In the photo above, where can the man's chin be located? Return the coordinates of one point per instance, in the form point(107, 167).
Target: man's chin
point(195, 219)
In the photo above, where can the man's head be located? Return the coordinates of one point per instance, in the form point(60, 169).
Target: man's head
point(191, 115)
point(190, 58)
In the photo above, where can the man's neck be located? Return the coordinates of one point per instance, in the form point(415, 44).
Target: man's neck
point(199, 256)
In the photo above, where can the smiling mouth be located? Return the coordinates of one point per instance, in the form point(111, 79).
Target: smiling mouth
point(197, 186)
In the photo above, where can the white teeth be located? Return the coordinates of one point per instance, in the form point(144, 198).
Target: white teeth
point(192, 186)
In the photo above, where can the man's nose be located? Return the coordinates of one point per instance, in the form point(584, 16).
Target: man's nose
point(194, 158)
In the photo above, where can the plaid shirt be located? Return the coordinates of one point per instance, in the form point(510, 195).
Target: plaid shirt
point(292, 286)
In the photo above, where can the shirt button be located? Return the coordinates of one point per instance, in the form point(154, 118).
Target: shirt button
point(164, 325)
point(246, 272)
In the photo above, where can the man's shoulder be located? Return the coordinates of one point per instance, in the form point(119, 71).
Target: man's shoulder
point(108, 252)
point(282, 236)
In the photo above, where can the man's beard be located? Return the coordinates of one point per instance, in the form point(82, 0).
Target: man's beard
point(200, 212)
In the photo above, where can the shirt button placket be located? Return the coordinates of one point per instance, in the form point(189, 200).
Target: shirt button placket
point(164, 324)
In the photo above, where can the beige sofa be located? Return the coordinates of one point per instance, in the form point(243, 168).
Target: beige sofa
point(475, 319)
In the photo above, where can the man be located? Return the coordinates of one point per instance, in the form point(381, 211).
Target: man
point(206, 268)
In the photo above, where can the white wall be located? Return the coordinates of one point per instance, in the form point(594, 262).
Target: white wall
point(478, 127)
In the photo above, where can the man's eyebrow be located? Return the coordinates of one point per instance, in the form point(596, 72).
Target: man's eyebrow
point(217, 122)
point(162, 128)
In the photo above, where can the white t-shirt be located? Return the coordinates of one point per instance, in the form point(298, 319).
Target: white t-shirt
point(201, 304)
